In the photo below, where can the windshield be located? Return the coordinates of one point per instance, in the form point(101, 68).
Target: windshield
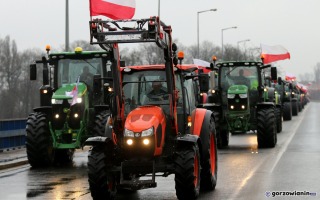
point(239, 75)
point(70, 69)
point(144, 88)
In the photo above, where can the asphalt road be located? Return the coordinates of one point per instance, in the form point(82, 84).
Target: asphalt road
point(288, 171)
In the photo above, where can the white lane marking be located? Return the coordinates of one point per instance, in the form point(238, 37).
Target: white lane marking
point(288, 141)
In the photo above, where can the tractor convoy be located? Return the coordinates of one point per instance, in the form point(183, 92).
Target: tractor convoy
point(146, 121)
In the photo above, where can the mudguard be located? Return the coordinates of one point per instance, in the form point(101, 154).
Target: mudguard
point(265, 104)
point(91, 141)
point(188, 140)
point(197, 118)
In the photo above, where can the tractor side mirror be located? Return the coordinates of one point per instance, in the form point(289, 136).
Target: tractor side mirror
point(97, 83)
point(274, 74)
point(204, 83)
point(33, 72)
point(279, 80)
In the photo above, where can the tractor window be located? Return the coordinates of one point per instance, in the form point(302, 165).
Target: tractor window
point(239, 75)
point(144, 87)
point(69, 70)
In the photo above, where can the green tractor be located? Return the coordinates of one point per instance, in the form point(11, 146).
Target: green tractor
point(245, 102)
point(71, 109)
point(284, 88)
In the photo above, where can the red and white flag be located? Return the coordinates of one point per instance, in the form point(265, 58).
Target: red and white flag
point(74, 93)
point(114, 9)
point(273, 53)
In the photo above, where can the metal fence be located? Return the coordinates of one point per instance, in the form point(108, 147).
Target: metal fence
point(12, 133)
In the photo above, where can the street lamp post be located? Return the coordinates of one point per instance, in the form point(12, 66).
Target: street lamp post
point(242, 41)
point(198, 25)
point(233, 27)
point(67, 26)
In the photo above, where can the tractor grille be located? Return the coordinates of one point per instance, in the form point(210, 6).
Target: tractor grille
point(238, 104)
point(64, 113)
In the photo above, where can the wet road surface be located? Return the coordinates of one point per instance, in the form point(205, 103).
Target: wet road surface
point(244, 172)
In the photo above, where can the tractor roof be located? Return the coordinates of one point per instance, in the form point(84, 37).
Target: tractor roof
point(184, 67)
point(236, 63)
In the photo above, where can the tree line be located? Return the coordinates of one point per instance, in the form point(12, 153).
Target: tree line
point(19, 95)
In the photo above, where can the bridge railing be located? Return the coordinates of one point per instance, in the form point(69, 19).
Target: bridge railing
point(12, 133)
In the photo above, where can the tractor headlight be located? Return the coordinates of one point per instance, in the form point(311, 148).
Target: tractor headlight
point(242, 96)
point(129, 142)
point(292, 93)
point(56, 101)
point(147, 132)
point(287, 93)
point(265, 89)
point(128, 133)
point(213, 91)
point(232, 107)
point(79, 100)
point(243, 107)
point(231, 96)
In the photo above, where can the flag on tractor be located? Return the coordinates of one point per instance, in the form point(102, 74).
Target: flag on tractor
point(74, 93)
point(273, 53)
point(114, 9)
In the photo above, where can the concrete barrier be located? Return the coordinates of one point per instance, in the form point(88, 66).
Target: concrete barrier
point(12, 134)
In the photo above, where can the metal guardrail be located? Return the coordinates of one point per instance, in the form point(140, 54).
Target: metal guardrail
point(12, 133)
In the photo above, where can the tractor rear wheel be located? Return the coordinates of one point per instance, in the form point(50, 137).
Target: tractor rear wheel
point(287, 111)
point(295, 109)
point(209, 169)
point(187, 173)
point(278, 114)
point(102, 183)
point(100, 123)
point(39, 143)
point(63, 155)
point(222, 138)
point(266, 128)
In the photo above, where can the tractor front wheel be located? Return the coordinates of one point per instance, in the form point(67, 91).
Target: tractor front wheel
point(266, 127)
point(187, 173)
point(102, 182)
point(100, 123)
point(39, 143)
point(279, 119)
point(209, 158)
point(287, 111)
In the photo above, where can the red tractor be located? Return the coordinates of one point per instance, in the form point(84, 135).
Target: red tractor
point(147, 133)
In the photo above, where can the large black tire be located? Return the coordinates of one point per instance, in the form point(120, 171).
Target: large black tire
point(100, 123)
point(209, 169)
point(39, 143)
point(266, 127)
point(295, 109)
point(63, 156)
point(299, 106)
point(187, 173)
point(222, 138)
point(102, 183)
point(278, 114)
point(287, 111)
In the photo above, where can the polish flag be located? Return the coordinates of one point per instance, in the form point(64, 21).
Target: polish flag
point(290, 77)
point(74, 93)
point(114, 9)
point(273, 53)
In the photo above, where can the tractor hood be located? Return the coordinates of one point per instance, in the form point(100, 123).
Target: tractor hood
point(67, 91)
point(238, 89)
point(144, 117)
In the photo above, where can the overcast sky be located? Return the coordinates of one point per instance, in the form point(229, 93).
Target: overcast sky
point(293, 24)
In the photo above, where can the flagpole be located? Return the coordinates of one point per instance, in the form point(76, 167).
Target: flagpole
point(67, 26)
point(159, 9)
